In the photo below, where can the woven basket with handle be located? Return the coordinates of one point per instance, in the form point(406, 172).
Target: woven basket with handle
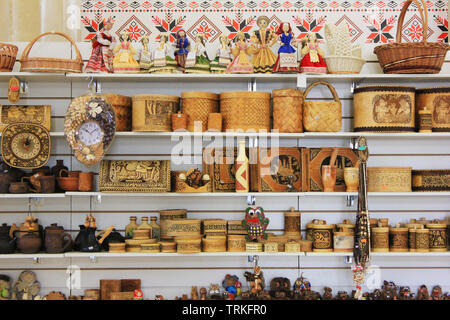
point(322, 116)
point(412, 57)
point(55, 65)
point(8, 54)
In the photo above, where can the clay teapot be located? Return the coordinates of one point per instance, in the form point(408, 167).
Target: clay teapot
point(56, 240)
point(7, 238)
point(29, 236)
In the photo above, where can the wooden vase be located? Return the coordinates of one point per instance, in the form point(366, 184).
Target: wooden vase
point(179, 122)
point(351, 178)
point(328, 178)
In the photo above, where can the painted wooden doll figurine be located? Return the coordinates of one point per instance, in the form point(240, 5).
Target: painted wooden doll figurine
point(287, 57)
point(124, 61)
point(101, 59)
point(145, 61)
point(255, 224)
point(181, 52)
point(197, 59)
point(241, 52)
point(263, 39)
point(312, 61)
point(162, 62)
point(223, 56)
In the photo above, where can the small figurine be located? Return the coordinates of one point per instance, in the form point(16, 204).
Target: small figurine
point(203, 293)
point(255, 223)
point(5, 287)
point(159, 297)
point(390, 290)
point(145, 59)
point(197, 58)
point(327, 294)
point(124, 61)
point(436, 293)
point(231, 284)
point(162, 62)
point(182, 45)
point(214, 292)
point(377, 294)
point(241, 52)
point(423, 293)
point(287, 57)
point(223, 56)
point(312, 61)
point(280, 288)
point(256, 279)
point(101, 59)
point(263, 39)
point(194, 293)
point(405, 293)
point(342, 295)
point(301, 285)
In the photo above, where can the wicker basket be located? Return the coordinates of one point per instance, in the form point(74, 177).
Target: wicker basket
point(344, 64)
point(379, 239)
point(322, 116)
point(389, 179)
point(166, 215)
point(287, 110)
point(437, 100)
point(197, 105)
point(412, 57)
point(384, 109)
point(122, 108)
point(245, 110)
point(8, 53)
point(152, 112)
point(50, 64)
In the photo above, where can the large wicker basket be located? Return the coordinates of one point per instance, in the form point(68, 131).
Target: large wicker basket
point(287, 110)
point(197, 106)
point(344, 64)
point(243, 110)
point(8, 53)
point(412, 57)
point(55, 65)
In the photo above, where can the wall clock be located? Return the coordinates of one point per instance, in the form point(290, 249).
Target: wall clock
point(25, 145)
point(90, 127)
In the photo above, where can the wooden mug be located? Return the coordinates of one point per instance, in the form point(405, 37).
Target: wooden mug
point(328, 178)
point(85, 181)
point(351, 177)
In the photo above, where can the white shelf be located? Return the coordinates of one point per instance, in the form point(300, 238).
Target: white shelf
point(381, 254)
point(32, 195)
point(201, 254)
point(5, 76)
point(32, 256)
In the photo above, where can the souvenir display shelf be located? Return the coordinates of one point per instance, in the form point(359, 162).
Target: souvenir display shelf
point(160, 271)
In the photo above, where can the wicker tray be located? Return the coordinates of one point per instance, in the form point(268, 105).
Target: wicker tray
point(51, 65)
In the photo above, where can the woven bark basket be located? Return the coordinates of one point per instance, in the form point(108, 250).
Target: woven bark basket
point(412, 57)
point(122, 108)
point(8, 53)
point(437, 100)
point(153, 112)
point(197, 106)
point(245, 110)
point(287, 110)
point(389, 179)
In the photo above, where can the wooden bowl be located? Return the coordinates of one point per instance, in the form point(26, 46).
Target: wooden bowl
point(68, 183)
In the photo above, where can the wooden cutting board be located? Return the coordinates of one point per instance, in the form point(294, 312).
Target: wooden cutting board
point(130, 285)
point(108, 286)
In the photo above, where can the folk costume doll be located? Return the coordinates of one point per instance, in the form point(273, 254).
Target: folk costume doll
point(101, 59)
point(312, 61)
point(223, 56)
point(145, 59)
point(241, 52)
point(263, 39)
point(162, 62)
point(182, 47)
point(287, 57)
point(124, 61)
point(197, 59)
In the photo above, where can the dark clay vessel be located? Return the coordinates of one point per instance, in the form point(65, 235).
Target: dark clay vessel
point(86, 240)
point(56, 239)
point(7, 243)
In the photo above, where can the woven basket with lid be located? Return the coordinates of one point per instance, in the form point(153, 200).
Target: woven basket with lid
point(389, 179)
point(122, 108)
point(437, 100)
point(197, 105)
point(244, 110)
point(153, 112)
point(287, 110)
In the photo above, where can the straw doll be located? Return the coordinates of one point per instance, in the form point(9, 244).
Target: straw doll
point(145, 59)
point(124, 61)
point(287, 57)
point(101, 59)
point(162, 62)
point(263, 39)
point(223, 56)
point(200, 62)
point(181, 52)
point(312, 61)
point(241, 62)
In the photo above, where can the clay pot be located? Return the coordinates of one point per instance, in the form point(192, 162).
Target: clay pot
point(45, 170)
point(351, 177)
point(34, 181)
point(18, 187)
point(5, 180)
point(85, 181)
point(69, 183)
point(29, 242)
point(56, 240)
point(56, 169)
point(328, 178)
point(7, 242)
point(47, 184)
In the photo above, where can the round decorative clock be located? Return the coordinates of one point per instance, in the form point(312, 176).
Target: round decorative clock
point(25, 145)
point(89, 127)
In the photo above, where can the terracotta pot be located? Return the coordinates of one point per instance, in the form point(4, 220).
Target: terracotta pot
point(18, 187)
point(351, 177)
point(47, 184)
point(69, 183)
point(328, 178)
point(34, 181)
point(29, 242)
point(56, 240)
point(85, 181)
